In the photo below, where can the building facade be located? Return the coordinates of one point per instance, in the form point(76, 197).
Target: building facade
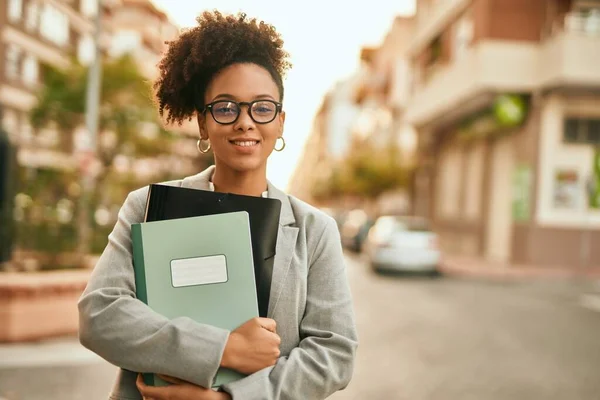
point(139, 29)
point(35, 34)
point(506, 102)
point(368, 105)
point(327, 142)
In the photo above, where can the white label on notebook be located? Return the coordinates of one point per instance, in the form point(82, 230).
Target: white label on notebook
point(199, 271)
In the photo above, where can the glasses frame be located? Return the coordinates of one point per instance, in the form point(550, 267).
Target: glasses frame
point(239, 104)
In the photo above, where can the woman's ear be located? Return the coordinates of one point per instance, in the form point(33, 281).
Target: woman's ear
point(281, 121)
point(202, 126)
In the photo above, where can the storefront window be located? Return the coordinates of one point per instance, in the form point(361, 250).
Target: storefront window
point(582, 131)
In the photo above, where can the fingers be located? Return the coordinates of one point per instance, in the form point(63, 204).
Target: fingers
point(171, 379)
point(268, 323)
point(147, 392)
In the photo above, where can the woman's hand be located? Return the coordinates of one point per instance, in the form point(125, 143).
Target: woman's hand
point(252, 347)
point(178, 390)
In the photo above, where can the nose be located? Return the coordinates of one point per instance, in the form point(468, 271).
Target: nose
point(244, 122)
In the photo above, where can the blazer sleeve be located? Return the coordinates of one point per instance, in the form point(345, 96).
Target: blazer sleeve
point(323, 362)
point(126, 332)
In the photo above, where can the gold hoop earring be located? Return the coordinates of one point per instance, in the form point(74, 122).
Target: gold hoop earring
point(199, 146)
point(282, 144)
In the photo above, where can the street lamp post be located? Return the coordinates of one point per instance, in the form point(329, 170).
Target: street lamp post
point(88, 180)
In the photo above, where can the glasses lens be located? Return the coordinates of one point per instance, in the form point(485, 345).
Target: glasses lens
point(264, 111)
point(225, 111)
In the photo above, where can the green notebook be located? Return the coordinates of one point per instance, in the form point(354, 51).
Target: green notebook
point(199, 267)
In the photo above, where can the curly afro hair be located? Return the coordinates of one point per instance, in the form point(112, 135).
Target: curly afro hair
point(218, 41)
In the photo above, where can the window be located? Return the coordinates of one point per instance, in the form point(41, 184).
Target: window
point(10, 122)
point(462, 36)
point(30, 70)
point(54, 25)
point(26, 134)
point(582, 131)
point(584, 18)
point(89, 8)
point(15, 10)
point(594, 131)
point(125, 42)
point(13, 61)
point(86, 50)
point(33, 16)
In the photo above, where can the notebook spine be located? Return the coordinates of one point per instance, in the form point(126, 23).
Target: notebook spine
point(141, 289)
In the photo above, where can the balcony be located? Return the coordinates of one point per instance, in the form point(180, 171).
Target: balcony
point(462, 85)
point(571, 56)
point(45, 52)
point(46, 158)
point(77, 20)
point(433, 20)
point(17, 98)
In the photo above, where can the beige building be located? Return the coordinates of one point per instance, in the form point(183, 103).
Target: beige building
point(369, 104)
point(326, 142)
point(385, 92)
point(35, 34)
point(506, 101)
point(315, 164)
point(140, 29)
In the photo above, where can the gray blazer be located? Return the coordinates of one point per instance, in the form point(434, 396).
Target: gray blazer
point(310, 301)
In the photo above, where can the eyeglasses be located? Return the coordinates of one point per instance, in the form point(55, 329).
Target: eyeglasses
point(227, 112)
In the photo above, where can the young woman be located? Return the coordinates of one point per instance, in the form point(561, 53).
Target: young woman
point(227, 73)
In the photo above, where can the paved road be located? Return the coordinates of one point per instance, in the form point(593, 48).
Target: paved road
point(421, 339)
point(461, 339)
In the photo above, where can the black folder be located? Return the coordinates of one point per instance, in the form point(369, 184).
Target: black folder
point(170, 202)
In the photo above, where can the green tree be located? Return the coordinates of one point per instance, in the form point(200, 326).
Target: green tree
point(367, 171)
point(128, 122)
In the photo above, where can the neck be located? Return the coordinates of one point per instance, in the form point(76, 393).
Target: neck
point(249, 183)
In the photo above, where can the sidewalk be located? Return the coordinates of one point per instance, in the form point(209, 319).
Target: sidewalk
point(480, 268)
point(53, 369)
point(50, 352)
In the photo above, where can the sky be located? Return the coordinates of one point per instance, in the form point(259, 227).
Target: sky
point(323, 38)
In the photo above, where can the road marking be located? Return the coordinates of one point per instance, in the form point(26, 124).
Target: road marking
point(590, 301)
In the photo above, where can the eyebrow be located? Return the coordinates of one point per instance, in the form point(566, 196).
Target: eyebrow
point(230, 96)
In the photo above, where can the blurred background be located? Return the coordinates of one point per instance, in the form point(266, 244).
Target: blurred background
point(455, 142)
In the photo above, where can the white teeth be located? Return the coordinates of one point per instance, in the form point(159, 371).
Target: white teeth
point(245, 144)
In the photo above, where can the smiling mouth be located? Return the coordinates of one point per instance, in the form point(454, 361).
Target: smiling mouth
point(244, 143)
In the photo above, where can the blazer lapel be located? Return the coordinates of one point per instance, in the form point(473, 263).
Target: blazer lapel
point(199, 181)
point(286, 244)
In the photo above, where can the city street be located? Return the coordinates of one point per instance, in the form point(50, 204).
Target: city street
point(420, 339)
point(447, 338)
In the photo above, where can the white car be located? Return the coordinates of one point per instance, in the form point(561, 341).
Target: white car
point(403, 244)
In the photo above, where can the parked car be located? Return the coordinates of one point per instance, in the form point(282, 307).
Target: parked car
point(403, 244)
point(338, 215)
point(354, 229)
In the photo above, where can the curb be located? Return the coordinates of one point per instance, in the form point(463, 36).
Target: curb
point(486, 270)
